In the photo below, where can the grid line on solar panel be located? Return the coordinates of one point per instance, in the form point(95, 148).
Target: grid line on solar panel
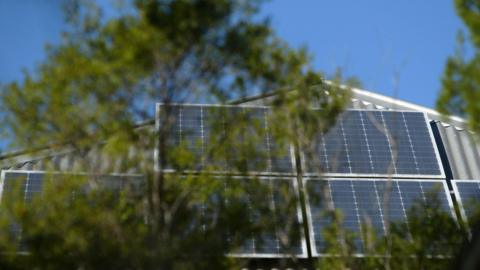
point(467, 194)
point(266, 201)
point(365, 143)
point(218, 136)
point(361, 204)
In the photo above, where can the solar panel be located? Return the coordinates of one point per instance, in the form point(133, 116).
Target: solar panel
point(360, 203)
point(31, 182)
point(224, 139)
point(265, 200)
point(30, 185)
point(467, 194)
point(367, 142)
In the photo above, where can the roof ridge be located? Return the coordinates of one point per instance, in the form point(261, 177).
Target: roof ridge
point(436, 115)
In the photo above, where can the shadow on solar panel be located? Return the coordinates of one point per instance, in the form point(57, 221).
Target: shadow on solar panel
point(471, 207)
point(230, 139)
point(467, 193)
point(245, 217)
point(375, 219)
point(29, 199)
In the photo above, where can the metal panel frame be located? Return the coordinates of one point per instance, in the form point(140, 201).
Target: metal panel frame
point(435, 147)
point(311, 237)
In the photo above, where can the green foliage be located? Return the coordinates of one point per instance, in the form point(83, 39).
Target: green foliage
point(106, 73)
point(460, 82)
point(77, 223)
point(430, 239)
point(340, 245)
point(87, 98)
point(68, 228)
point(430, 245)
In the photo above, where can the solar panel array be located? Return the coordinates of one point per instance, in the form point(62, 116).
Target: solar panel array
point(371, 145)
point(376, 143)
point(361, 204)
point(204, 130)
point(249, 146)
point(268, 202)
point(360, 150)
point(467, 193)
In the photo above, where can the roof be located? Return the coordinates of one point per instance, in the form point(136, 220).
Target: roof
point(457, 145)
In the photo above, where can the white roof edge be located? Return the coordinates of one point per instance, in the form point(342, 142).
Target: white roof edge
point(402, 103)
point(392, 103)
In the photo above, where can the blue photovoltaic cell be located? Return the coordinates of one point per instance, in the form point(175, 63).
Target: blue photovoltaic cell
point(29, 185)
point(467, 193)
point(225, 138)
point(360, 202)
point(270, 199)
point(367, 143)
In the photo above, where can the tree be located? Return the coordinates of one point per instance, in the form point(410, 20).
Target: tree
point(460, 83)
point(460, 95)
point(88, 98)
point(430, 239)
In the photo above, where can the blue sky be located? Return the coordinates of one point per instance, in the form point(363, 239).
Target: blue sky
point(371, 39)
point(25, 27)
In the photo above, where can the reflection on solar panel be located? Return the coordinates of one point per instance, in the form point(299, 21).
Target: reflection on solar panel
point(467, 194)
point(360, 202)
point(30, 183)
point(366, 143)
point(226, 138)
point(268, 202)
